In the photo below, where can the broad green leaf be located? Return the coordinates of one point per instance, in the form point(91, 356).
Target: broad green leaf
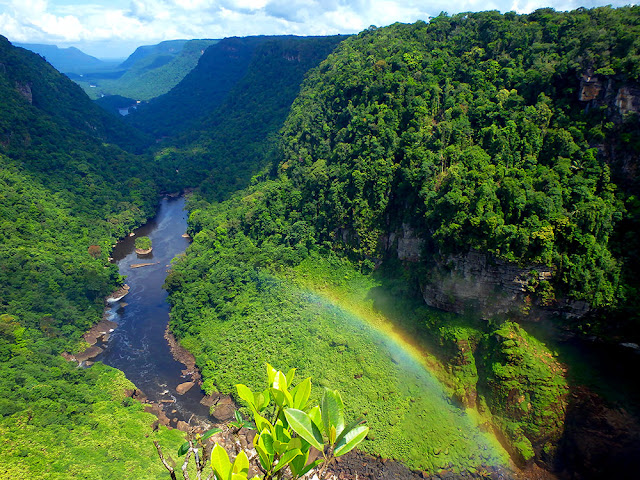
point(247, 395)
point(184, 448)
point(286, 459)
point(220, 462)
point(282, 434)
point(349, 427)
point(316, 416)
point(238, 476)
point(282, 397)
point(262, 423)
point(241, 464)
point(210, 433)
point(305, 427)
point(271, 374)
point(350, 440)
point(298, 463)
point(239, 418)
point(265, 459)
point(295, 443)
point(280, 382)
point(300, 394)
point(310, 467)
point(290, 374)
point(266, 442)
point(280, 447)
point(262, 400)
point(332, 412)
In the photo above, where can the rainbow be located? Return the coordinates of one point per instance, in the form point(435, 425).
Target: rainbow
point(412, 358)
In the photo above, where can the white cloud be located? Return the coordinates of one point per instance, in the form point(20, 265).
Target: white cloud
point(136, 22)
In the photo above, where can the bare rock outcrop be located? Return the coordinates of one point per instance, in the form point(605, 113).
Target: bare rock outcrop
point(628, 99)
point(184, 387)
point(481, 282)
point(590, 87)
point(25, 91)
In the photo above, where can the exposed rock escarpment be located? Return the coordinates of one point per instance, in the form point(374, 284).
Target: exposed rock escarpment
point(479, 281)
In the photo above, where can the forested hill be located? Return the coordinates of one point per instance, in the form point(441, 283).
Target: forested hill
point(65, 60)
point(150, 71)
point(35, 88)
point(67, 193)
point(251, 113)
point(485, 132)
point(205, 88)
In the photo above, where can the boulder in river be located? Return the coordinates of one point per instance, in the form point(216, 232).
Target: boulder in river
point(184, 387)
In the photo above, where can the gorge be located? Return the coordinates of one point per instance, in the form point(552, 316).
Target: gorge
point(462, 189)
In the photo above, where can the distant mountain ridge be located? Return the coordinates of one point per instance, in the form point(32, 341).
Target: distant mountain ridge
point(65, 60)
point(149, 72)
point(168, 47)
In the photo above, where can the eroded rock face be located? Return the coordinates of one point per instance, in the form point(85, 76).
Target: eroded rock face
point(590, 87)
point(480, 282)
point(25, 91)
point(406, 243)
point(628, 100)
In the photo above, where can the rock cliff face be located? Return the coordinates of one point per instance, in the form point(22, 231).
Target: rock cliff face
point(25, 91)
point(478, 281)
point(601, 90)
point(481, 282)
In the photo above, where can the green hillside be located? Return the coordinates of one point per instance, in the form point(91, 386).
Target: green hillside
point(200, 92)
point(475, 131)
point(251, 113)
point(149, 72)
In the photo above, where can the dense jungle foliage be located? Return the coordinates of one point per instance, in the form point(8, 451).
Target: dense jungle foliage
point(471, 129)
point(251, 114)
point(65, 197)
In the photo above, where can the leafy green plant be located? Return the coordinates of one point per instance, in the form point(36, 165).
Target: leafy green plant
point(288, 430)
point(240, 423)
point(295, 427)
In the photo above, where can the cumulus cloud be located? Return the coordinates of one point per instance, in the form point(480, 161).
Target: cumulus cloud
point(137, 22)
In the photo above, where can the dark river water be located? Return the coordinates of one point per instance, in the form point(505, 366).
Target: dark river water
point(137, 346)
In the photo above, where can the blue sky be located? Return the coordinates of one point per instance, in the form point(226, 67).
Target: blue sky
point(115, 28)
